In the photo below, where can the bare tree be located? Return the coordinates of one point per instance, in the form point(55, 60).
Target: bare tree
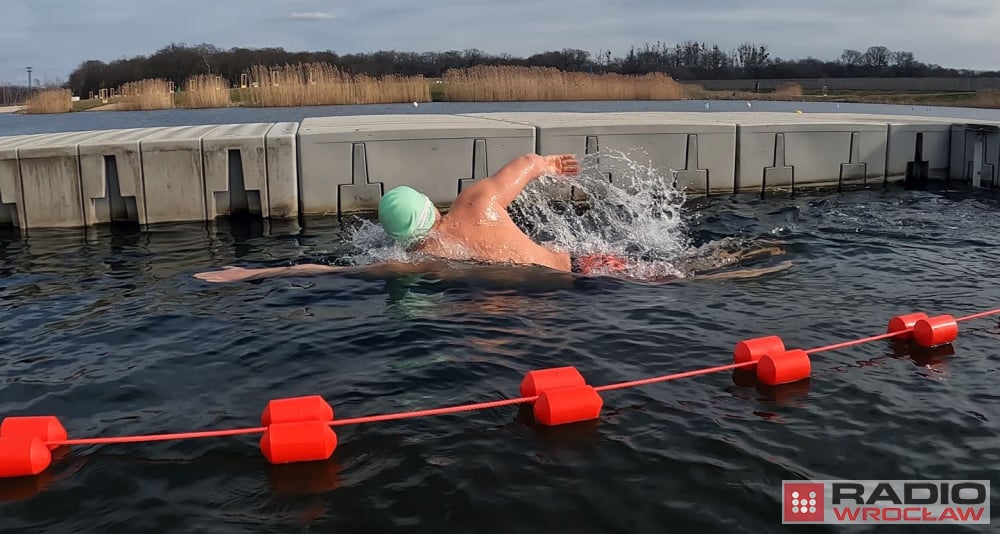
point(851, 58)
point(877, 57)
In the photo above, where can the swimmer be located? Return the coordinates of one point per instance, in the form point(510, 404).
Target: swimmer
point(476, 228)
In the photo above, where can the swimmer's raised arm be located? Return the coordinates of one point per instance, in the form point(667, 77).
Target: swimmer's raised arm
point(236, 274)
point(513, 177)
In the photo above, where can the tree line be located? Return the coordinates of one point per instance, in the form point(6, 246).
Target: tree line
point(686, 61)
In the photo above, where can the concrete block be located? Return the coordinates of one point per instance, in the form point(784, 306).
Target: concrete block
point(918, 151)
point(281, 144)
point(111, 177)
point(975, 154)
point(821, 153)
point(49, 193)
point(700, 151)
point(10, 178)
point(346, 163)
point(173, 175)
point(236, 170)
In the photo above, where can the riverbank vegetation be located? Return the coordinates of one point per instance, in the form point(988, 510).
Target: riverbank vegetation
point(317, 85)
point(205, 91)
point(690, 61)
point(50, 101)
point(519, 84)
point(204, 76)
point(146, 95)
point(322, 84)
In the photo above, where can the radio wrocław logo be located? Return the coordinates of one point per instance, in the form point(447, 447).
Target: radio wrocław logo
point(868, 502)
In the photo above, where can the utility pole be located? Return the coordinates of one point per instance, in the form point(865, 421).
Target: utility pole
point(29, 83)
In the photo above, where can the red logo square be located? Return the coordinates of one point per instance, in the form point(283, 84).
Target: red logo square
point(802, 502)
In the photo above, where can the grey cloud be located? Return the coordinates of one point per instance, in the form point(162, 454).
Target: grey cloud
point(310, 15)
point(54, 36)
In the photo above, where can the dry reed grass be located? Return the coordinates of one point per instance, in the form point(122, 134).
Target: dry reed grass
point(205, 91)
point(987, 98)
point(489, 83)
point(146, 94)
point(321, 84)
point(789, 89)
point(50, 101)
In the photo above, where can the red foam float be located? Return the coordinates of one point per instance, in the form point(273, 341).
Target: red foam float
point(535, 382)
point(296, 409)
point(23, 456)
point(44, 427)
point(302, 441)
point(905, 322)
point(751, 350)
point(562, 406)
point(784, 367)
point(298, 430)
point(935, 331)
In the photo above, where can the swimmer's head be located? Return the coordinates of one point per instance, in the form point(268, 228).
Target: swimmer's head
point(407, 214)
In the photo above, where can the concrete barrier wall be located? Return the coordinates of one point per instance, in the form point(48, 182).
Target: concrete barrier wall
point(339, 165)
point(701, 152)
point(347, 163)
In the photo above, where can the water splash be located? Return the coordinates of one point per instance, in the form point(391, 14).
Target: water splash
point(637, 215)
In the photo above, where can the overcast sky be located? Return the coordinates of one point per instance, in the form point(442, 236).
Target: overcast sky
point(54, 36)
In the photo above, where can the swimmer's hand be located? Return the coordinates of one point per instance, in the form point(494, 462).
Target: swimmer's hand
point(237, 274)
point(564, 164)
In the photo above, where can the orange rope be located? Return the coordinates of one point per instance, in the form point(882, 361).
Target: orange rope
point(159, 437)
point(978, 315)
point(435, 411)
point(675, 376)
point(476, 406)
point(858, 341)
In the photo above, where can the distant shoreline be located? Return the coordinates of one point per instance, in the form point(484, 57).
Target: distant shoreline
point(302, 85)
point(949, 100)
point(970, 100)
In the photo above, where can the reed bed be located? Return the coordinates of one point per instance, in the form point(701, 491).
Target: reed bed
point(146, 95)
point(489, 83)
point(205, 91)
point(987, 98)
point(789, 89)
point(321, 84)
point(50, 101)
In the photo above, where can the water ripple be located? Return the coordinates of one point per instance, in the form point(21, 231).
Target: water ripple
point(110, 331)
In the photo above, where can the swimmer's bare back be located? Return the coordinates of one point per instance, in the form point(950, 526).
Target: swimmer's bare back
point(478, 226)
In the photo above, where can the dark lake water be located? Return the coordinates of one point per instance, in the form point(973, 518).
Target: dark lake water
point(108, 330)
point(15, 124)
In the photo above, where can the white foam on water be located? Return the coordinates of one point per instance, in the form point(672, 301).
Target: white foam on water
point(638, 216)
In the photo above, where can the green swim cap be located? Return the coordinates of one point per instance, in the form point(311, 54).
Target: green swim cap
point(406, 213)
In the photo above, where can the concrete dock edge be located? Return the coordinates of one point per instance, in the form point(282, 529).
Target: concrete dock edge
point(330, 166)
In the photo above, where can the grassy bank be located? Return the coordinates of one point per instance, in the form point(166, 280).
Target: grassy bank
point(319, 84)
